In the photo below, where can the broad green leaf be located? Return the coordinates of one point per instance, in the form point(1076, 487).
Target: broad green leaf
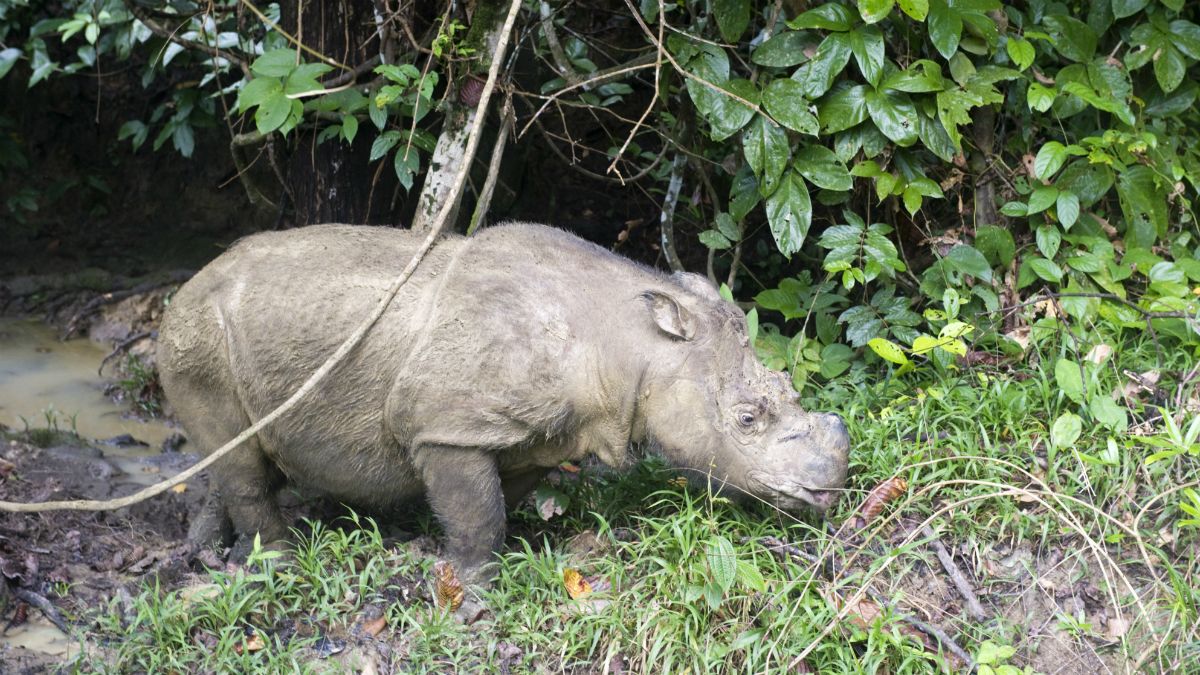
point(8, 58)
point(996, 244)
point(726, 114)
point(1169, 68)
point(349, 127)
point(275, 63)
point(835, 360)
point(1074, 39)
point(272, 112)
point(304, 79)
point(990, 652)
point(888, 350)
point(866, 44)
point(829, 61)
point(1042, 198)
point(1067, 208)
point(953, 346)
point(384, 143)
point(1185, 35)
point(1021, 52)
point(1040, 98)
point(843, 108)
point(1048, 240)
point(1049, 160)
point(828, 16)
point(406, 164)
point(784, 100)
point(1015, 209)
point(1106, 411)
point(935, 138)
point(1066, 430)
point(917, 9)
point(789, 213)
point(1144, 206)
point(874, 11)
point(1089, 182)
point(956, 329)
point(912, 200)
point(1125, 8)
point(727, 227)
point(967, 260)
point(722, 562)
point(765, 147)
point(1069, 377)
point(1046, 269)
point(743, 194)
point(894, 114)
point(922, 76)
point(925, 344)
point(258, 90)
point(732, 17)
point(714, 240)
point(945, 27)
point(182, 139)
point(783, 50)
point(822, 168)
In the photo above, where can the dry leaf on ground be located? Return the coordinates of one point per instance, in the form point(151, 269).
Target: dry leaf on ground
point(447, 589)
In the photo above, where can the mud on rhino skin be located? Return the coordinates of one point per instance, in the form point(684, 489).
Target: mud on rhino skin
point(504, 355)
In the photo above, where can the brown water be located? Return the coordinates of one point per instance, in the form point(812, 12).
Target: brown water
point(46, 383)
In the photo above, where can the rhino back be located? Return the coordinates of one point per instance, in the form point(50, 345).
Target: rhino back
point(273, 308)
point(535, 342)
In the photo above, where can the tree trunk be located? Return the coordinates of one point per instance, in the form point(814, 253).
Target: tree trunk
point(459, 119)
point(333, 182)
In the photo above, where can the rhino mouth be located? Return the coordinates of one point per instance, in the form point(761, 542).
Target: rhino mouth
point(790, 495)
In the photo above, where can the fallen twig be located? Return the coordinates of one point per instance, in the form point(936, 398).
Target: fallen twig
point(932, 631)
point(94, 305)
point(781, 549)
point(974, 608)
point(123, 346)
point(44, 606)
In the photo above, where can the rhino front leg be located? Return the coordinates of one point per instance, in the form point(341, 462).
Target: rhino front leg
point(463, 487)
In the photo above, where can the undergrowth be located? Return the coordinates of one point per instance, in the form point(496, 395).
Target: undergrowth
point(685, 582)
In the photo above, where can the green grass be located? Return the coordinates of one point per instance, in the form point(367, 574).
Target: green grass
point(692, 590)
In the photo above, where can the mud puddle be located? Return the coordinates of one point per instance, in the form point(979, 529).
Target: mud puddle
point(45, 383)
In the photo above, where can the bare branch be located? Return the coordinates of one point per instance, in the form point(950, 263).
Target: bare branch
point(667, 222)
point(144, 17)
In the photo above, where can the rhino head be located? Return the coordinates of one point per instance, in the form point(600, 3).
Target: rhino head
point(712, 407)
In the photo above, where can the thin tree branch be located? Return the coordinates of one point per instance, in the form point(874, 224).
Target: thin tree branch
point(640, 63)
point(507, 120)
point(667, 221)
point(144, 17)
point(561, 62)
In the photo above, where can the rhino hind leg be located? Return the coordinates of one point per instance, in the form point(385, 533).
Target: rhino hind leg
point(243, 483)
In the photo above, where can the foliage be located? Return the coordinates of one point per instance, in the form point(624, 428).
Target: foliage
point(873, 108)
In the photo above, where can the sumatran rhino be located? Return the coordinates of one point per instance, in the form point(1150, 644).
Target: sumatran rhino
point(503, 356)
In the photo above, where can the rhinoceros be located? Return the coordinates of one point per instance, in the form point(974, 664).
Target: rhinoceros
point(506, 354)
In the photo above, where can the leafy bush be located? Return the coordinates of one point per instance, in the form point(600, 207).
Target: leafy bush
point(1017, 149)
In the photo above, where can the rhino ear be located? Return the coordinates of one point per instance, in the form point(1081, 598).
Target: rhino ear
point(698, 284)
point(672, 317)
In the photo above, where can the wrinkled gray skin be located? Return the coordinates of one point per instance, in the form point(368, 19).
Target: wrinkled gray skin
point(504, 355)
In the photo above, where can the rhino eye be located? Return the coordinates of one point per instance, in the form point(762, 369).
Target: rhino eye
point(746, 419)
